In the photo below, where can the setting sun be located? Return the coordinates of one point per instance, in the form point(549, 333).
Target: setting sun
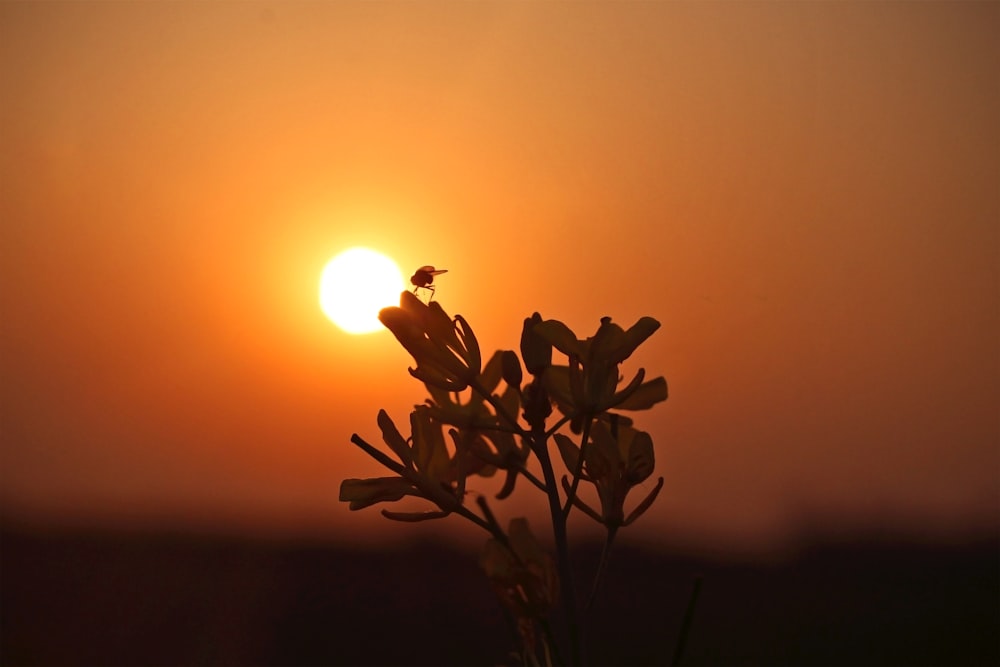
point(356, 285)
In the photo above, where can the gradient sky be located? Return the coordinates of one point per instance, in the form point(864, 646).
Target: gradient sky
point(804, 194)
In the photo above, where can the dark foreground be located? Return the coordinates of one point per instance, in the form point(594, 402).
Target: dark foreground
point(107, 599)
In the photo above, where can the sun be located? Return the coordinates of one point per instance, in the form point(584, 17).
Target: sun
point(355, 285)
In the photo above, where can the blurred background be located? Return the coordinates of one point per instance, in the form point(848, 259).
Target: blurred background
point(805, 195)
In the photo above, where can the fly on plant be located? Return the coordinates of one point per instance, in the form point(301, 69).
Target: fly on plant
point(424, 277)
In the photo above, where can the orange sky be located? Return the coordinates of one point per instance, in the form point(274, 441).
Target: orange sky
point(805, 195)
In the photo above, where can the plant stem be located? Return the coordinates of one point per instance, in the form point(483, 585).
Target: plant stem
point(686, 623)
point(494, 527)
point(601, 566)
point(377, 455)
point(579, 468)
point(529, 476)
point(490, 517)
point(540, 448)
point(491, 527)
point(498, 406)
point(555, 427)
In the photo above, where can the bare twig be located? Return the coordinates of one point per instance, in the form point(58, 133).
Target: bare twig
point(686, 623)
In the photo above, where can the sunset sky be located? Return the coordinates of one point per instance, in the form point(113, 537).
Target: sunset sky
point(806, 195)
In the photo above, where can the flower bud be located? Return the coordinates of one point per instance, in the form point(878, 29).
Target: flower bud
point(536, 351)
point(446, 351)
point(512, 370)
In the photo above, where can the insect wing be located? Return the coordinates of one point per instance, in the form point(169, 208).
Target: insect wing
point(430, 270)
point(424, 276)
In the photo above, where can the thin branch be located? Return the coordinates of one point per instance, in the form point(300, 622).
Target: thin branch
point(491, 518)
point(377, 455)
point(686, 623)
point(540, 448)
point(492, 529)
point(550, 644)
point(580, 505)
point(558, 425)
point(530, 477)
point(579, 468)
point(601, 567)
point(498, 533)
point(502, 429)
point(498, 406)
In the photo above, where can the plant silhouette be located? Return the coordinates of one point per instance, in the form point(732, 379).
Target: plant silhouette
point(496, 422)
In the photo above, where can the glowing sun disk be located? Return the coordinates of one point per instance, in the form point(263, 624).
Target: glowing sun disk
point(355, 285)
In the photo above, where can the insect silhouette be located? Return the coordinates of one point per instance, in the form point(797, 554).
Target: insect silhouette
point(424, 277)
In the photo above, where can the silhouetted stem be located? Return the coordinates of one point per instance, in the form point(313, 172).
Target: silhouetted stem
point(489, 526)
point(686, 623)
point(552, 645)
point(539, 438)
point(377, 455)
point(515, 427)
point(488, 513)
point(601, 566)
point(579, 468)
point(558, 425)
point(499, 407)
point(562, 545)
point(530, 477)
point(498, 533)
point(503, 429)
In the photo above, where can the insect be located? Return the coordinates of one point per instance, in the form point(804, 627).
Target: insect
point(424, 277)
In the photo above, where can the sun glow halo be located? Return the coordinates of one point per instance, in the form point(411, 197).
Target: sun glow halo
point(355, 285)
